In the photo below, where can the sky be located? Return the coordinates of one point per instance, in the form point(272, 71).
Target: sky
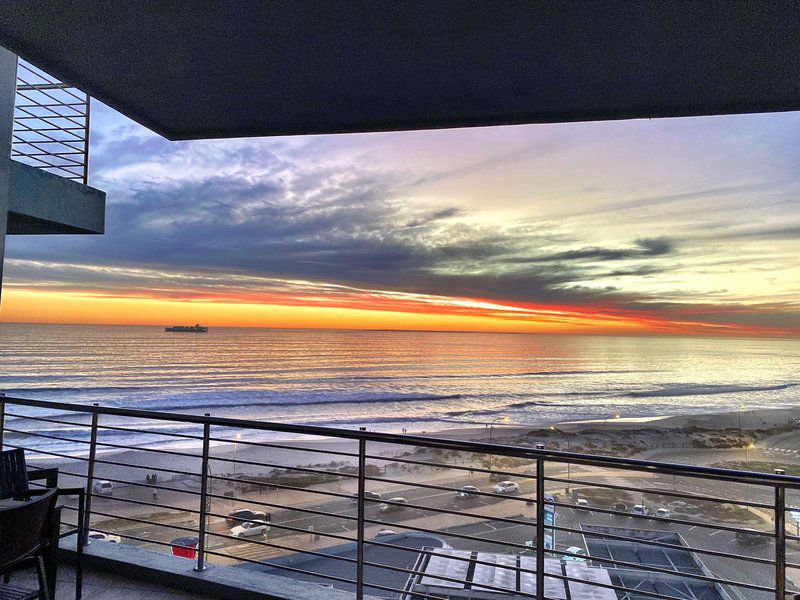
point(684, 226)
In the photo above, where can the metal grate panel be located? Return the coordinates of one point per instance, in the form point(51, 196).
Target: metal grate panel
point(51, 124)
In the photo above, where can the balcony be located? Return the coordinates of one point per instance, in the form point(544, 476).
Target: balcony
point(358, 514)
point(108, 586)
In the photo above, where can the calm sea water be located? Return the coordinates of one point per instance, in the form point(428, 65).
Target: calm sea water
point(391, 380)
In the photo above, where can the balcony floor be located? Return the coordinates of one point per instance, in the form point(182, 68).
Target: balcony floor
point(105, 586)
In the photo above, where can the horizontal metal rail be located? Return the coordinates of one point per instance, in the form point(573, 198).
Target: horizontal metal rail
point(657, 491)
point(412, 516)
point(45, 108)
point(715, 473)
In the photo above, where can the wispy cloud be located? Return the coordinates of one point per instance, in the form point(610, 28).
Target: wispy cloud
point(558, 217)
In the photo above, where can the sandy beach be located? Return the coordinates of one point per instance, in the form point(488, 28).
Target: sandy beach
point(692, 439)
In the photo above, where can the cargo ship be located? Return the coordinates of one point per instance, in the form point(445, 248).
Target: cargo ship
point(187, 329)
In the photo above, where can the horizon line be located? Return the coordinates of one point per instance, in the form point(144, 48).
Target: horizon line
point(681, 334)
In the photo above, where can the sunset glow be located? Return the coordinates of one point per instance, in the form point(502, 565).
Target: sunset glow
point(675, 226)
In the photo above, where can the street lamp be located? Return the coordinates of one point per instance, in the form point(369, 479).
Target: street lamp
point(566, 439)
point(740, 426)
point(491, 431)
point(614, 416)
point(236, 439)
point(491, 425)
point(747, 449)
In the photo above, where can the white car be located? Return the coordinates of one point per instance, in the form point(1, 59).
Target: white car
point(582, 502)
point(663, 513)
point(104, 488)
point(575, 550)
point(385, 533)
point(640, 510)
point(99, 536)
point(250, 529)
point(506, 487)
point(384, 508)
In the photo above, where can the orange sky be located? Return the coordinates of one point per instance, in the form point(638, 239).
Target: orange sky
point(673, 226)
point(379, 310)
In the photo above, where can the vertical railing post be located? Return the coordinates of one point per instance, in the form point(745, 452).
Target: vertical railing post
point(90, 475)
point(2, 418)
point(201, 545)
point(539, 525)
point(780, 539)
point(362, 474)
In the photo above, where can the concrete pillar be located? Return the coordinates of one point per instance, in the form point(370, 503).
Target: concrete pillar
point(8, 86)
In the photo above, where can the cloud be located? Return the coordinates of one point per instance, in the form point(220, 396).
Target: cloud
point(642, 248)
point(247, 216)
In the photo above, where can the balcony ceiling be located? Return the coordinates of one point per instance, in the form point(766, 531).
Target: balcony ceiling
point(206, 69)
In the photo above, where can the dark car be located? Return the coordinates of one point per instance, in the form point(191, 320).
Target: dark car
point(368, 495)
point(751, 537)
point(497, 477)
point(468, 492)
point(243, 515)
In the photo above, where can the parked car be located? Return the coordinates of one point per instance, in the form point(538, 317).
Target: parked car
point(398, 502)
point(242, 515)
point(385, 533)
point(640, 510)
point(102, 487)
point(751, 537)
point(582, 502)
point(497, 477)
point(99, 536)
point(506, 487)
point(575, 550)
point(468, 492)
point(250, 529)
point(620, 506)
point(663, 513)
point(368, 495)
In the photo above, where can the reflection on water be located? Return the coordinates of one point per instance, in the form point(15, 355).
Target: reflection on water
point(390, 380)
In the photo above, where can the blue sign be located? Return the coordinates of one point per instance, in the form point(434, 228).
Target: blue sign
point(549, 521)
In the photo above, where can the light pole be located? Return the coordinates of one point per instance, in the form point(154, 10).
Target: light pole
point(747, 449)
point(740, 427)
point(236, 438)
point(491, 431)
point(566, 439)
point(605, 421)
point(491, 425)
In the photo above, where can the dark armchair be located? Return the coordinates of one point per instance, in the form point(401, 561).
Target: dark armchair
point(26, 527)
point(15, 481)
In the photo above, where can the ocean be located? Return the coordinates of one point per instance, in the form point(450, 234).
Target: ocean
point(390, 380)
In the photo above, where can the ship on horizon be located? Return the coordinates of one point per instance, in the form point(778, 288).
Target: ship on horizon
point(187, 329)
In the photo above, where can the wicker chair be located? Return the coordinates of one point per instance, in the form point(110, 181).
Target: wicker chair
point(14, 483)
point(27, 527)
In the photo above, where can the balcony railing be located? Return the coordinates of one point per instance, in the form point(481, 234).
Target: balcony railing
point(591, 529)
point(51, 124)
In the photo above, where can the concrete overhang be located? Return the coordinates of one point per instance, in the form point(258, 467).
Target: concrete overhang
point(209, 68)
point(40, 202)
